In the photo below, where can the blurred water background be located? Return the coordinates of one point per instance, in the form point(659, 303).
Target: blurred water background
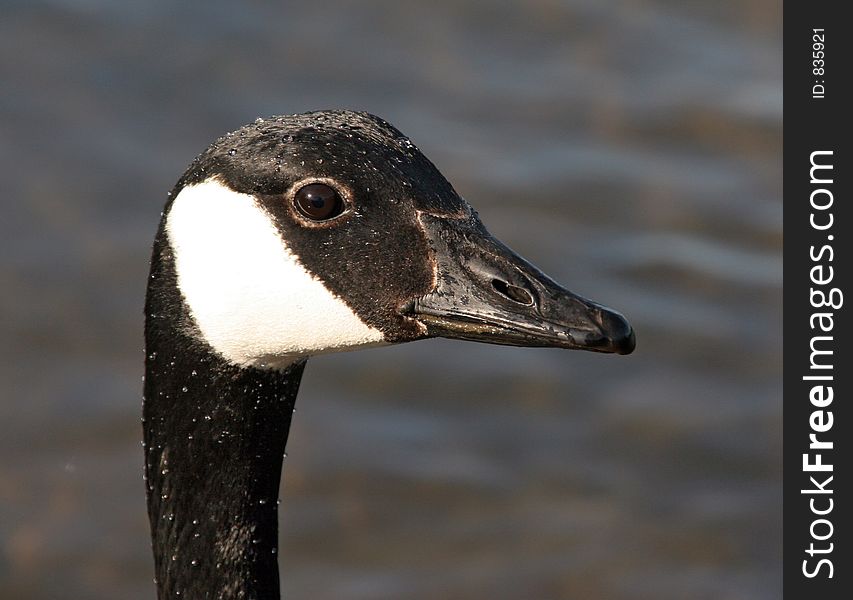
point(631, 149)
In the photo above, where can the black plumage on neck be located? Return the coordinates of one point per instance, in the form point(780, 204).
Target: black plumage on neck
point(214, 436)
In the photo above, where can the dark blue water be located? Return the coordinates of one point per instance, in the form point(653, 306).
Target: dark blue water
point(437, 469)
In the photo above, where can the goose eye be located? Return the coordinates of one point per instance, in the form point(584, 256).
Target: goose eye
point(318, 202)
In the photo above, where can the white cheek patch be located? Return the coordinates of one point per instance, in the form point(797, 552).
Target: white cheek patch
point(253, 301)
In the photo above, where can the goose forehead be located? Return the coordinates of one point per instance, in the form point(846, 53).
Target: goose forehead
point(354, 148)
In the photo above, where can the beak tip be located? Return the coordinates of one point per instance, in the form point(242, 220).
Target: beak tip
point(618, 331)
point(627, 343)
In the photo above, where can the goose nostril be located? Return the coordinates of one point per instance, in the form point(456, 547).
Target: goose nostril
point(514, 293)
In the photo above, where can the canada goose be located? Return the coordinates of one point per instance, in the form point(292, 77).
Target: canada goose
point(291, 237)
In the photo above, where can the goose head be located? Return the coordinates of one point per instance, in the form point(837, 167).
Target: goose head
point(331, 231)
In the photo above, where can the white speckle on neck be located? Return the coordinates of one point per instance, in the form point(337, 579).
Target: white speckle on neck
point(253, 301)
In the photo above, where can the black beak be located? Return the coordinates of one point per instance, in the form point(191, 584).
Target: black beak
point(485, 292)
